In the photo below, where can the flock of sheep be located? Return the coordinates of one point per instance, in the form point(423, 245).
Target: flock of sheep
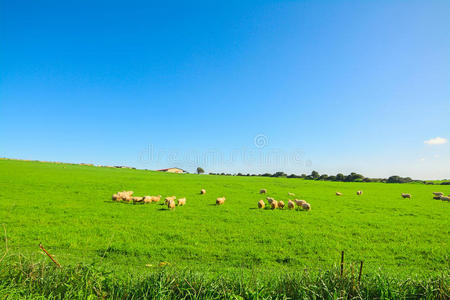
point(441, 196)
point(127, 196)
point(172, 201)
point(274, 204)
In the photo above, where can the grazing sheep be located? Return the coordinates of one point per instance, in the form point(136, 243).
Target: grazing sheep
point(445, 198)
point(338, 194)
point(437, 197)
point(263, 191)
point(157, 198)
point(359, 193)
point(291, 204)
point(261, 204)
point(406, 195)
point(148, 199)
point(270, 199)
point(116, 197)
point(171, 204)
point(203, 191)
point(299, 202)
point(274, 204)
point(291, 194)
point(127, 198)
point(306, 206)
point(438, 194)
point(138, 199)
point(168, 199)
point(280, 204)
point(220, 200)
point(181, 201)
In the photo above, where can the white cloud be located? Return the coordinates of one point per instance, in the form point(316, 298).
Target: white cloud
point(422, 159)
point(436, 141)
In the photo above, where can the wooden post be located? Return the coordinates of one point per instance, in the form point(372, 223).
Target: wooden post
point(360, 272)
point(48, 254)
point(342, 263)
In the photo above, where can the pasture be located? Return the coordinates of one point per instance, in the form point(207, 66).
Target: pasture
point(68, 208)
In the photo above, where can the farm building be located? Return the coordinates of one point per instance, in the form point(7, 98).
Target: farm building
point(172, 170)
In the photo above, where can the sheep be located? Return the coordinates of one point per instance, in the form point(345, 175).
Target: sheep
point(270, 199)
point(359, 193)
point(291, 204)
point(338, 194)
point(220, 200)
point(203, 191)
point(438, 194)
point(274, 204)
point(138, 199)
point(291, 194)
point(406, 195)
point(148, 199)
point(445, 198)
point(437, 197)
point(263, 191)
point(127, 198)
point(116, 197)
point(306, 206)
point(156, 198)
point(261, 204)
point(280, 204)
point(171, 204)
point(299, 202)
point(181, 201)
point(168, 199)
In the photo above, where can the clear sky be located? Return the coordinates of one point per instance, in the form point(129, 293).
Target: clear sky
point(232, 86)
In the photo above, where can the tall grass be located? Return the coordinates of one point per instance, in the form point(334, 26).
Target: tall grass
point(27, 280)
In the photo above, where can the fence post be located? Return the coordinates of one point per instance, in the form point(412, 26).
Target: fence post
point(48, 254)
point(360, 272)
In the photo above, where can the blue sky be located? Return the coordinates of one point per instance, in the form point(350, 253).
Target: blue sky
point(232, 86)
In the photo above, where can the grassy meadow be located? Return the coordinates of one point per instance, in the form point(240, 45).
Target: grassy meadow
point(68, 208)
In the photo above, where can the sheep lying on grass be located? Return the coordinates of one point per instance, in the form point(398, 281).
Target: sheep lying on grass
point(291, 194)
point(138, 199)
point(359, 193)
point(263, 191)
point(406, 196)
point(203, 191)
point(261, 204)
point(220, 200)
point(338, 194)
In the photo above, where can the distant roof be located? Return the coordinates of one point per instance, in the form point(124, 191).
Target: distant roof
point(171, 168)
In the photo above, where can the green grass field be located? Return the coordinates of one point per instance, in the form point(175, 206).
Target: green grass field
point(68, 209)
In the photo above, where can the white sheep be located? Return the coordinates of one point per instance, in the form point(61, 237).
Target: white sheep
point(280, 204)
point(338, 194)
point(261, 204)
point(203, 191)
point(359, 193)
point(220, 200)
point(306, 206)
point(181, 201)
point(291, 204)
point(406, 195)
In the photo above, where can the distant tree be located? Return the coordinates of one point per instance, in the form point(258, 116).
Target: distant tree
point(323, 177)
point(279, 174)
point(340, 177)
point(331, 178)
point(200, 170)
point(315, 174)
point(303, 176)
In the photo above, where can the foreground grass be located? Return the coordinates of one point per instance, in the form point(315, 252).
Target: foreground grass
point(25, 280)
